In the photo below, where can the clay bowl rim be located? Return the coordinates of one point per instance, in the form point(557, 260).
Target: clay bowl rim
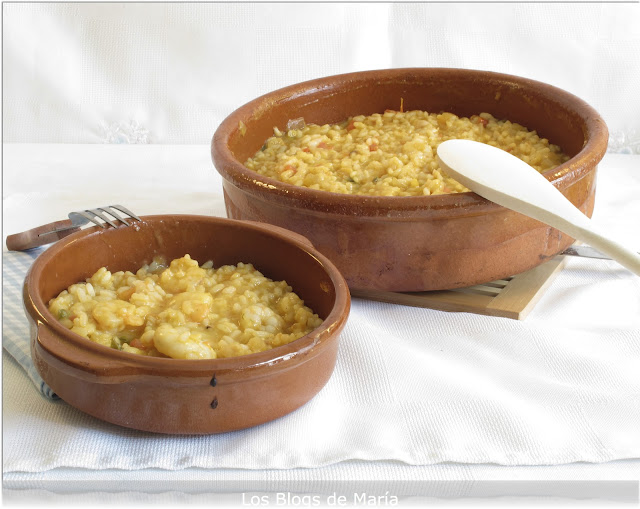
point(331, 326)
point(595, 134)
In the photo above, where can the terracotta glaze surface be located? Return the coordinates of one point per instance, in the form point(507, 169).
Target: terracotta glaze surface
point(185, 396)
point(413, 243)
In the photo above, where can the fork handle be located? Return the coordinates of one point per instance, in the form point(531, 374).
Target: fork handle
point(41, 235)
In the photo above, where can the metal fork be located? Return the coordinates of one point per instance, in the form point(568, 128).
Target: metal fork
point(57, 230)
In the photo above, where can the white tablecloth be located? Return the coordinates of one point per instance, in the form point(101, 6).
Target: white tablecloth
point(417, 394)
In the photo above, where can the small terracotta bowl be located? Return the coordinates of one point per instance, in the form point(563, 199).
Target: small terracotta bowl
point(412, 243)
point(185, 396)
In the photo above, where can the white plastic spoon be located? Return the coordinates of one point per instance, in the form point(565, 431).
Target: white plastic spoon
point(508, 181)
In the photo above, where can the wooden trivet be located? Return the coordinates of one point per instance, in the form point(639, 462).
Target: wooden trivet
point(513, 297)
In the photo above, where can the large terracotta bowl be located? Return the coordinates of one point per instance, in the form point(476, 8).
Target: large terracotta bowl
point(185, 396)
point(412, 243)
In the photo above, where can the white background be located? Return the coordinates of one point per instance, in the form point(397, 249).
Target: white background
point(170, 72)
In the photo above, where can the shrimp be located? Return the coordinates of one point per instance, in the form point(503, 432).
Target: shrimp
point(181, 343)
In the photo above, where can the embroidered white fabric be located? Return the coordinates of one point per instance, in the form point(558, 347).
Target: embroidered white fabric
point(170, 72)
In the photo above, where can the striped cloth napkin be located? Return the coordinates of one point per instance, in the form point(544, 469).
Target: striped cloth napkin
point(15, 328)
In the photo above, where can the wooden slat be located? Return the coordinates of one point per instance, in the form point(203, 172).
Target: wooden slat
point(512, 297)
point(491, 291)
point(524, 291)
point(500, 283)
point(441, 300)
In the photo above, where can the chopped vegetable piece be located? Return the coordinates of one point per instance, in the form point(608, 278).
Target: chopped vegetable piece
point(136, 343)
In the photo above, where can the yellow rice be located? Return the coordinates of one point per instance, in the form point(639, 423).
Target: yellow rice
point(390, 154)
point(185, 311)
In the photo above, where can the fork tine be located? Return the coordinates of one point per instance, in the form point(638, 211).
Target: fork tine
point(125, 210)
point(92, 214)
point(108, 210)
point(89, 217)
point(103, 217)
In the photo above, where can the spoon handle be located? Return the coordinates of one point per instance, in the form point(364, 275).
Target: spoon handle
point(506, 180)
point(561, 214)
point(623, 255)
point(556, 210)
